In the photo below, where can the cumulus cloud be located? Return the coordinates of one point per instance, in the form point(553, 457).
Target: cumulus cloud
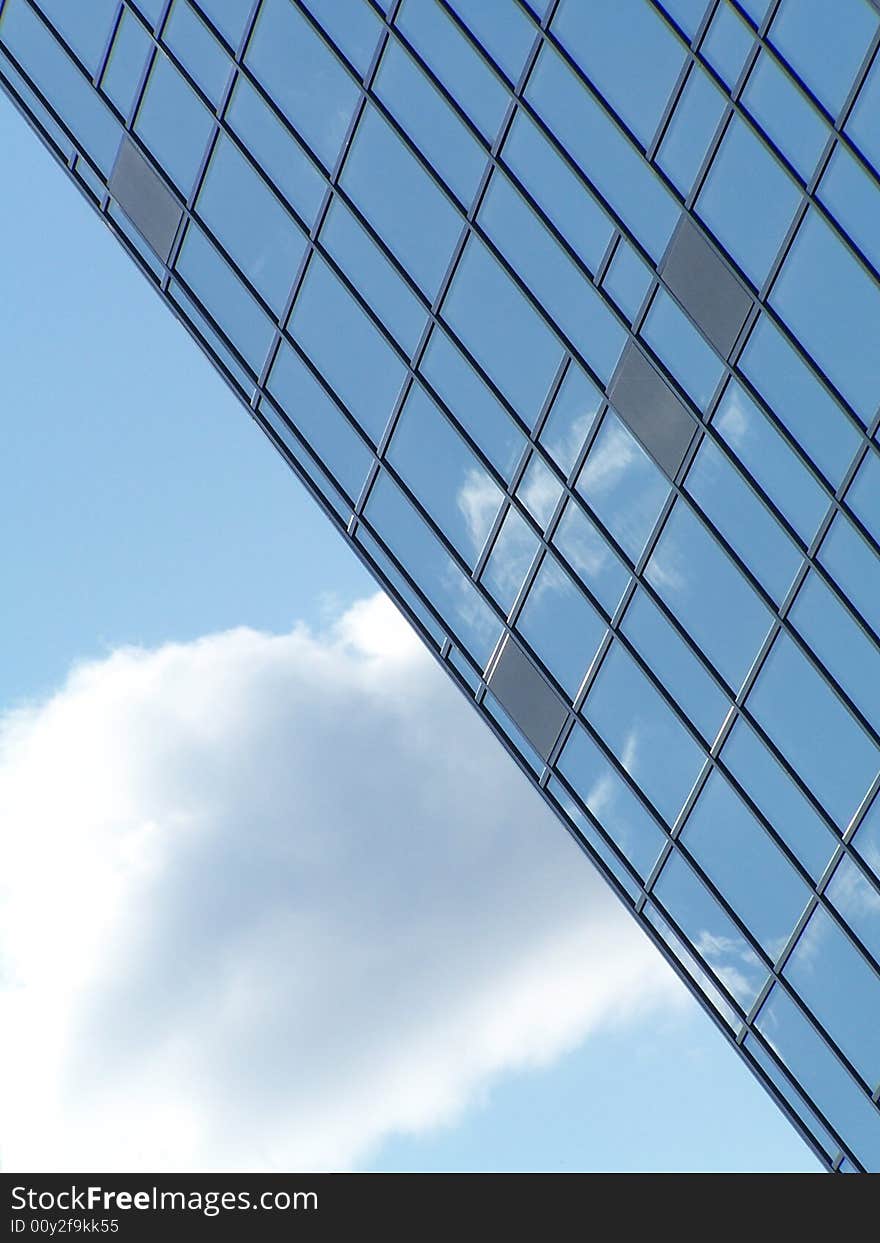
point(270, 899)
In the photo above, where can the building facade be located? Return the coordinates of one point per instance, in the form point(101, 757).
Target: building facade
point(567, 312)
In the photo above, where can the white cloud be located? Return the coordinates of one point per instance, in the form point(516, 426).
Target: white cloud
point(269, 899)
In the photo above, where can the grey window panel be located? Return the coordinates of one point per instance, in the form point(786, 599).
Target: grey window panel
point(145, 199)
point(526, 697)
point(651, 409)
point(705, 286)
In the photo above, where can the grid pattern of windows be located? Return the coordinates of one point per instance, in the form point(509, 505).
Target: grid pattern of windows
point(434, 245)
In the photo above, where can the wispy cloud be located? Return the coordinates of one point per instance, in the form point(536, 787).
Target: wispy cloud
point(269, 899)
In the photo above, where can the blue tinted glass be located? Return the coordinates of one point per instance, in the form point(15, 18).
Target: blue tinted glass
point(863, 496)
point(273, 147)
point(571, 416)
point(512, 555)
point(366, 375)
point(767, 894)
point(627, 279)
point(667, 654)
point(641, 729)
point(569, 206)
point(785, 114)
point(802, 1050)
point(710, 930)
point(430, 121)
point(613, 164)
point(251, 223)
point(727, 43)
point(814, 731)
point(86, 28)
point(373, 275)
point(748, 200)
point(128, 59)
point(842, 646)
point(862, 122)
point(622, 486)
point(439, 468)
point(867, 838)
point(503, 29)
point(690, 131)
point(743, 520)
point(796, 397)
point(705, 590)
point(304, 78)
point(539, 491)
point(854, 200)
point(506, 335)
point(561, 625)
point(320, 420)
point(680, 347)
point(776, 795)
point(604, 792)
point(452, 593)
point(825, 43)
point(857, 899)
point(174, 123)
point(229, 16)
point(198, 51)
point(628, 52)
point(856, 567)
point(353, 26)
point(834, 307)
point(402, 203)
point(473, 403)
point(456, 62)
point(588, 553)
point(575, 304)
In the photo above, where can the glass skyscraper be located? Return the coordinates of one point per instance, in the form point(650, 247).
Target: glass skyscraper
point(568, 314)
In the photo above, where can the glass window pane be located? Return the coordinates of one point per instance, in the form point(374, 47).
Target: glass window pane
point(824, 43)
point(452, 593)
point(539, 491)
point(613, 164)
point(174, 124)
point(856, 567)
point(561, 625)
point(196, 48)
point(505, 334)
point(568, 204)
point(778, 798)
point(785, 114)
point(473, 403)
point(834, 308)
point(627, 279)
point(456, 62)
point(573, 302)
point(772, 463)
point(127, 61)
point(229, 16)
point(745, 865)
point(325, 429)
point(251, 224)
point(591, 556)
point(858, 901)
point(748, 200)
point(709, 595)
point(814, 731)
point(814, 1066)
point(680, 347)
point(666, 653)
point(276, 150)
point(727, 43)
point(622, 486)
point(841, 989)
point(85, 28)
point(691, 129)
point(366, 375)
point(430, 121)
point(863, 496)
point(442, 472)
point(710, 930)
point(353, 26)
point(642, 731)
point(629, 52)
point(503, 29)
point(373, 275)
point(585, 828)
point(402, 203)
point(862, 122)
point(571, 416)
point(303, 77)
point(796, 397)
point(512, 555)
point(601, 789)
point(854, 200)
point(744, 521)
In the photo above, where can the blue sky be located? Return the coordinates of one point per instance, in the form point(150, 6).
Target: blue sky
point(140, 508)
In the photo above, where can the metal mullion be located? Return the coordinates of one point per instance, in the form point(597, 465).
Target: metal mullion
point(105, 54)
